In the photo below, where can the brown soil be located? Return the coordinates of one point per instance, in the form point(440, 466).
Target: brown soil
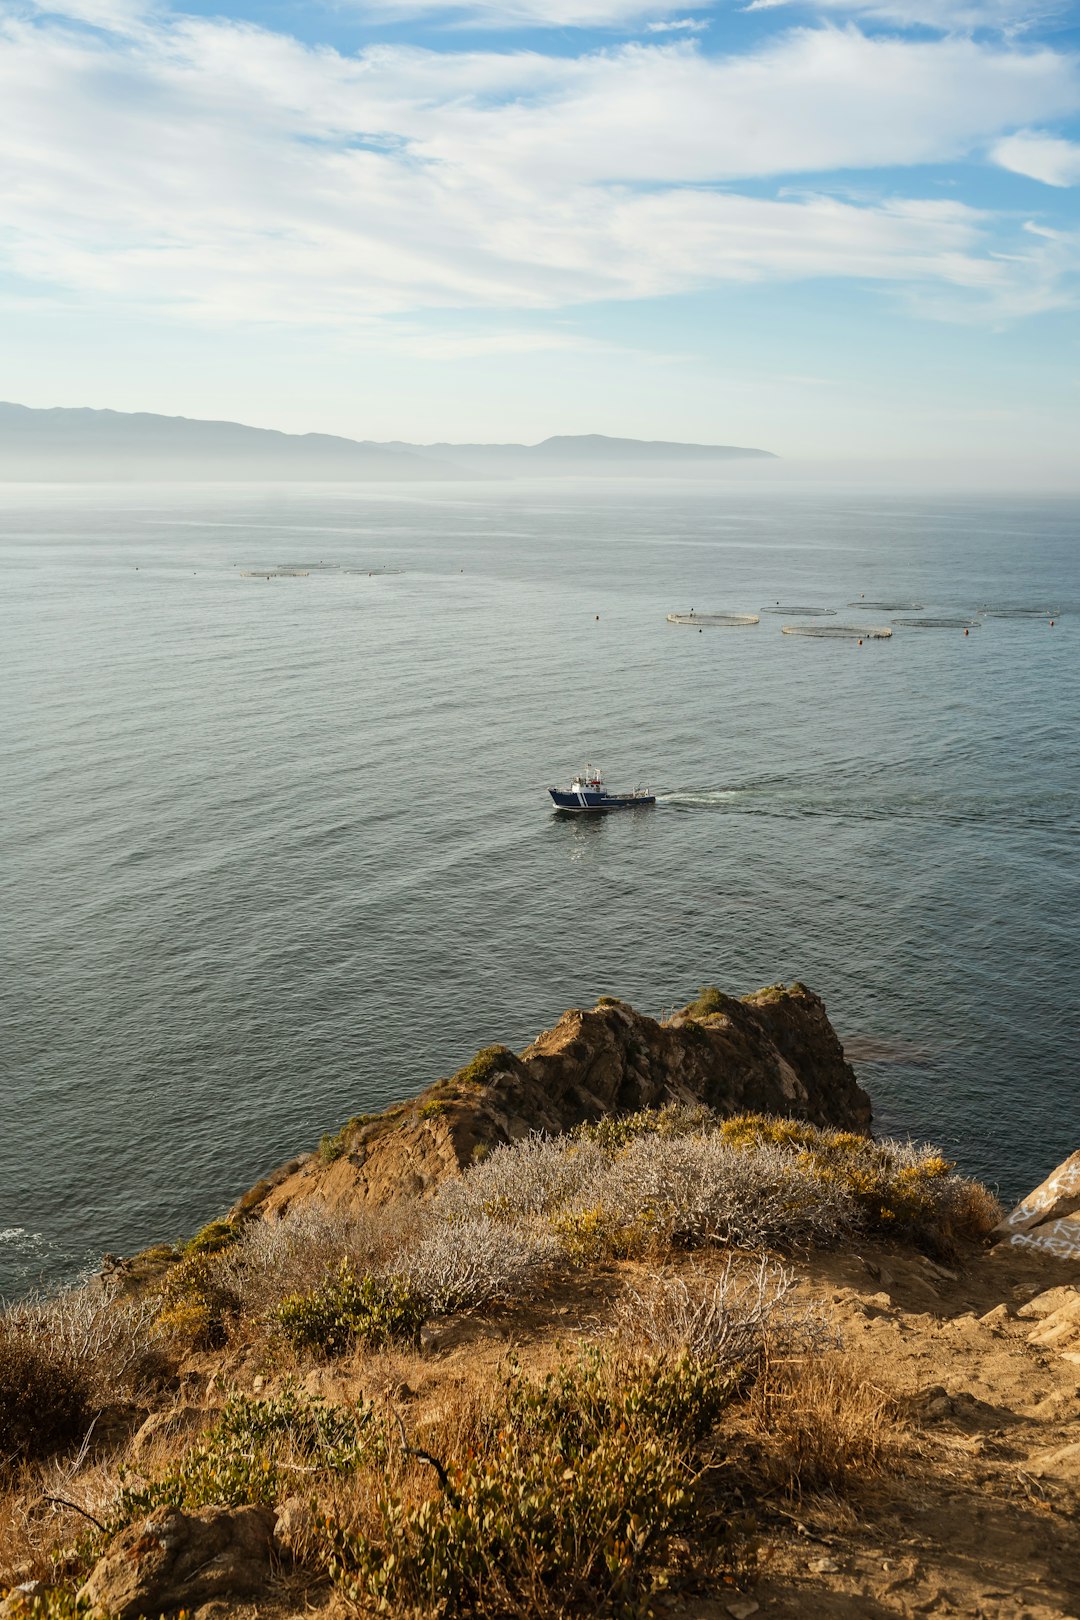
point(979, 1518)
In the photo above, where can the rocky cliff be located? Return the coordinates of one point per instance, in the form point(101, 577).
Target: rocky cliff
point(773, 1052)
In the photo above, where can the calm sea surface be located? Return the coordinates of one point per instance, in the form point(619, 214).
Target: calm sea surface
point(278, 851)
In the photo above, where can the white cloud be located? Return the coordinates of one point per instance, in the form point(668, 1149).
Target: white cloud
point(619, 14)
point(677, 25)
point(1042, 157)
point(117, 16)
point(1009, 16)
point(224, 173)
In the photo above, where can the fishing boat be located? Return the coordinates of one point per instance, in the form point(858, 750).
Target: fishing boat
point(587, 795)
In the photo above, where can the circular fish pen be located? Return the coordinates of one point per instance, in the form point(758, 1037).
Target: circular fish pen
point(889, 607)
point(838, 632)
point(717, 619)
point(273, 573)
point(802, 612)
point(938, 624)
point(1018, 612)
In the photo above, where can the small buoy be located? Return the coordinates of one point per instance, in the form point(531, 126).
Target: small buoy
point(701, 632)
point(860, 641)
point(967, 632)
point(1051, 624)
point(598, 618)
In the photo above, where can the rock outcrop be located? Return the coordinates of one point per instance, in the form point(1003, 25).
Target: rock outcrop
point(774, 1052)
point(1049, 1217)
point(178, 1560)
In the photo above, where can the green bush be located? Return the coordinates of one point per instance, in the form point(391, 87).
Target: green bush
point(434, 1107)
point(44, 1397)
point(252, 1453)
point(213, 1237)
point(899, 1191)
point(585, 1478)
point(485, 1065)
point(613, 1132)
point(55, 1603)
point(334, 1144)
point(709, 1000)
point(348, 1310)
point(196, 1303)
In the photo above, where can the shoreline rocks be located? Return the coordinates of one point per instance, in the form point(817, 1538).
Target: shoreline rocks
point(772, 1052)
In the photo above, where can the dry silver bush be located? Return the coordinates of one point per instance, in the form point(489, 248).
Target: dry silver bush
point(722, 1320)
point(698, 1190)
point(524, 1180)
point(107, 1336)
point(471, 1261)
point(296, 1254)
point(727, 1320)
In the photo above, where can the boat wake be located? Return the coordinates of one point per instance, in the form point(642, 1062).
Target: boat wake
point(688, 799)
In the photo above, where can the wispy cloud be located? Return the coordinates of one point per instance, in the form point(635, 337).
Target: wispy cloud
point(224, 173)
point(676, 25)
point(507, 14)
point(1048, 158)
point(1008, 16)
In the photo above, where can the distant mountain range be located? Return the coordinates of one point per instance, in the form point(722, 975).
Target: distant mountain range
point(69, 446)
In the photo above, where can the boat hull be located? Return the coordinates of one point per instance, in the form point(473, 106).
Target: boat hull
point(597, 804)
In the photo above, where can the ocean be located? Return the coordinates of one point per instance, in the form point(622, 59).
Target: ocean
point(278, 851)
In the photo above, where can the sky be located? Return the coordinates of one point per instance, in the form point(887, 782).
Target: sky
point(846, 229)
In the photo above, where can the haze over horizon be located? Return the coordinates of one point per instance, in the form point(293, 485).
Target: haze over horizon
point(844, 230)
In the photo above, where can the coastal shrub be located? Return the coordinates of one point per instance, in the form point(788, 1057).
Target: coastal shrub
point(434, 1107)
point(896, 1188)
point(626, 1186)
point(335, 1143)
point(212, 1238)
point(487, 1063)
point(305, 1248)
point(522, 1181)
point(55, 1603)
point(708, 1000)
point(350, 1309)
point(471, 1261)
point(255, 1451)
point(720, 1320)
point(105, 1337)
point(45, 1396)
point(196, 1304)
point(663, 1192)
point(586, 1476)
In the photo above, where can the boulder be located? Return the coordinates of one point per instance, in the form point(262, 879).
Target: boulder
point(176, 1560)
point(1049, 1218)
point(19, 1603)
point(169, 1428)
point(774, 1052)
point(1060, 1329)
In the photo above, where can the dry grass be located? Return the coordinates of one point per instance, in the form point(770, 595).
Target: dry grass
point(825, 1423)
point(42, 1530)
point(721, 1319)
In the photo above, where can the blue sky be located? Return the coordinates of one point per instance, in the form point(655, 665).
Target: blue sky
point(840, 230)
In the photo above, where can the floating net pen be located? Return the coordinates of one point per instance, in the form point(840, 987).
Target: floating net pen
point(702, 619)
point(838, 632)
point(938, 624)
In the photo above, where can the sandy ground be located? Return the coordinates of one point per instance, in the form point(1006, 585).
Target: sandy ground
point(980, 1516)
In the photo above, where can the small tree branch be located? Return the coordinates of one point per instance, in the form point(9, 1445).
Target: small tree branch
point(425, 1456)
point(62, 1501)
